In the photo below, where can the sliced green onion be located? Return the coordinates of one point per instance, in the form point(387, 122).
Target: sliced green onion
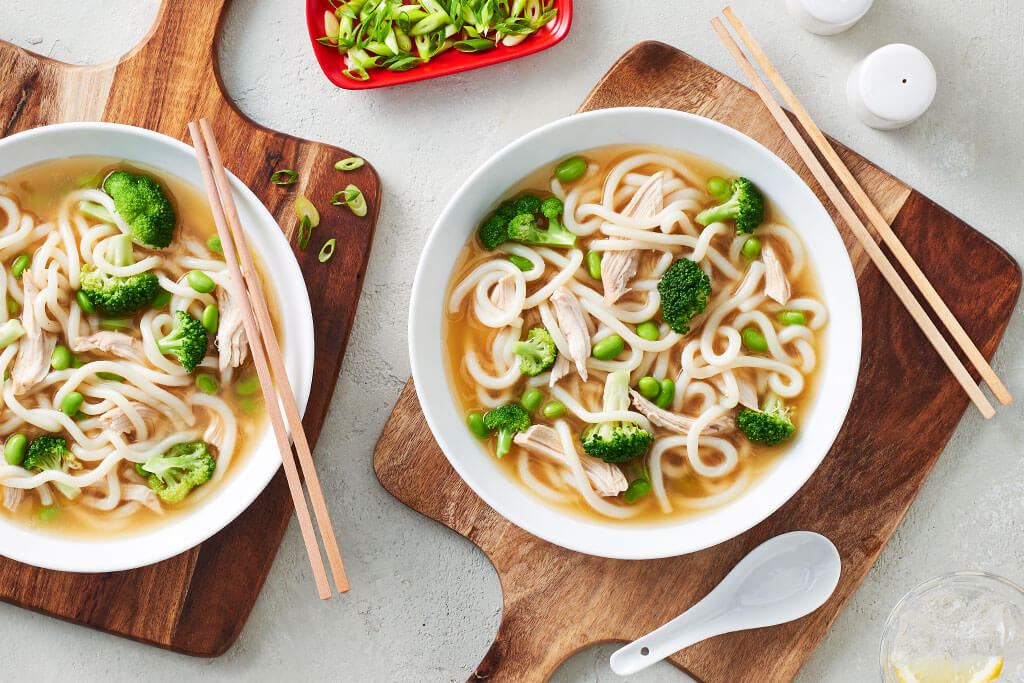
point(10, 332)
point(303, 208)
point(305, 232)
point(349, 164)
point(353, 198)
point(115, 324)
point(327, 251)
point(284, 177)
point(110, 377)
point(473, 45)
point(12, 306)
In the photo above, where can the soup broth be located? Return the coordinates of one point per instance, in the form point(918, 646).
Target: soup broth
point(712, 369)
point(222, 407)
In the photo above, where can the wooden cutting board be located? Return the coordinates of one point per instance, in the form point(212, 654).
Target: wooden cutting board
point(905, 408)
point(197, 602)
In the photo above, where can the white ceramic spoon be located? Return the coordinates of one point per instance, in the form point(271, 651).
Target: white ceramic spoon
point(782, 579)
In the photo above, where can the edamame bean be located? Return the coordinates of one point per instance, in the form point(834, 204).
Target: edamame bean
point(523, 264)
point(792, 318)
point(14, 449)
point(161, 300)
point(12, 306)
point(719, 188)
point(214, 245)
point(648, 330)
point(76, 362)
point(753, 339)
point(250, 404)
point(20, 265)
point(211, 318)
point(594, 264)
point(609, 347)
point(207, 384)
point(201, 282)
point(637, 490)
point(48, 513)
point(71, 403)
point(60, 359)
point(476, 425)
point(667, 393)
point(751, 248)
point(248, 386)
point(649, 388)
point(554, 409)
point(84, 303)
point(531, 400)
point(571, 169)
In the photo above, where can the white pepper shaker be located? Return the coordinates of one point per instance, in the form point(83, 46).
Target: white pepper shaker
point(827, 17)
point(892, 86)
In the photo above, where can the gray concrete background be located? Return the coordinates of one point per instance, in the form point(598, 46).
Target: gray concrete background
point(425, 603)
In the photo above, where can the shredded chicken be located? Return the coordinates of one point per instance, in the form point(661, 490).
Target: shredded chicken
point(572, 321)
point(504, 293)
point(607, 479)
point(36, 346)
point(776, 286)
point(674, 422)
point(142, 495)
point(116, 420)
point(618, 268)
point(747, 391)
point(131, 493)
point(12, 497)
point(115, 343)
point(561, 368)
point(231, 341)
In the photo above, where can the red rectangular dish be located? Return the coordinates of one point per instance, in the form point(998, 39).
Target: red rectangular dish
point(333, 64)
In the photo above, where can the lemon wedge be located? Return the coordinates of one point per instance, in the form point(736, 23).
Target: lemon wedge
point(946, 671)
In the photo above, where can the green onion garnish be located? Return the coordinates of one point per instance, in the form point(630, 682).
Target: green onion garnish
point(327, 251)
point(473, 45)
point(305, 231)
point(304, 208)
point(350, 164)
point(284, 177)
point(353, 198)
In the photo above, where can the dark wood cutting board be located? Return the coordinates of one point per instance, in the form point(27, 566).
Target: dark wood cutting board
point(197, 602)
point(905, 408)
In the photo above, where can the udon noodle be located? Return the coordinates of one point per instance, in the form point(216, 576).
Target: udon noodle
point(637, 203)
point(137, 402)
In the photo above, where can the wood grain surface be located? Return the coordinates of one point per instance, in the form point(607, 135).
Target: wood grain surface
point(905, 407)
point(197, 602)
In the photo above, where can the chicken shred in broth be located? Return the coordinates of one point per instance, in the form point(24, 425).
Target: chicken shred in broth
point(637, 207)
point(136, 402)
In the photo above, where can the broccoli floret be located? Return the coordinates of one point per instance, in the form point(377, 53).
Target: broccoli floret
point(49, 452)
point(528, 204)
point(616, 441)
point(509, 420)
point(746, 205)
point(493, 232)
point(144, 207)
point(524, 228)
point(684, 290)
point(552, 208)
point(180, 469)
point(187, 341)
point(771, 426)
point(506, 210)
point(536, 353)
point(118, 295)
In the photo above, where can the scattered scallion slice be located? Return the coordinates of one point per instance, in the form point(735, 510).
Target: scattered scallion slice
point(327, 251)
point(305, 231)
point(303, 208)
point(350, 164)
point(353, 198)
point(473, 45)
point(285, 176)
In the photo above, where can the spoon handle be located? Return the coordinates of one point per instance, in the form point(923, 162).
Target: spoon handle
point(698, 623)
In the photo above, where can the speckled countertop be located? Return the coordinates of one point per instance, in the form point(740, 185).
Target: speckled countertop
point(425, 603)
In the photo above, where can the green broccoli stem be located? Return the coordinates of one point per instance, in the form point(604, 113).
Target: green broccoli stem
point(723, 212)
point(773, 405)
point(527, 349)
point(616, 391)
point(120, 251)
point(504, 441)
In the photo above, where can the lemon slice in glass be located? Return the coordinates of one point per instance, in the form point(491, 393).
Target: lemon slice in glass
point(947, 671)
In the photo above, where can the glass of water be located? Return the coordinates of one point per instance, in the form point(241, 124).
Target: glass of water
point(964, 626)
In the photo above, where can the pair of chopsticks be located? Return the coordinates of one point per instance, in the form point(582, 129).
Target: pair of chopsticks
point(874, 217)
point(266, 353)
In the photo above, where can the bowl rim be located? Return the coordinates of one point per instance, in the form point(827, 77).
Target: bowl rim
point(235, 493)
point(634, 541)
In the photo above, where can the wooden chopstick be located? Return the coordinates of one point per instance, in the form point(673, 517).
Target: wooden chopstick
point(291, 410)
point(869, 245)
point(243, 299)
point(874, 216)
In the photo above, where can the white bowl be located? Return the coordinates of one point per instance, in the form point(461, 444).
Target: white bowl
point(665, 128)
point(250, 474)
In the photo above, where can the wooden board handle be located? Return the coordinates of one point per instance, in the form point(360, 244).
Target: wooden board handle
point(184, 37)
